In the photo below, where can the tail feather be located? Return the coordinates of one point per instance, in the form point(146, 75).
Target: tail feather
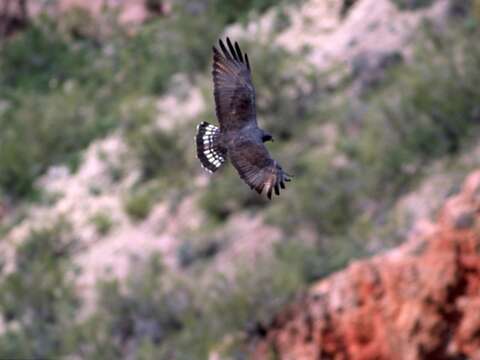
point(209, 152)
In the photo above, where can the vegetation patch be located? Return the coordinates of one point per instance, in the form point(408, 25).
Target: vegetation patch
point(412, 4)
point(103, 222)
point(63, 82)
point(174, 318)
point(38, 300)
point(138, 205)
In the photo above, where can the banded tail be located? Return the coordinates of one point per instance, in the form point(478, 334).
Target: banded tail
point(210, 154)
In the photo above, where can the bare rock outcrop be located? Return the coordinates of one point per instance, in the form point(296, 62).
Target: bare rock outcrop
point(418, 301)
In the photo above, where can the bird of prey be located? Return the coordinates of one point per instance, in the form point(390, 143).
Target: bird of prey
point(238, 136)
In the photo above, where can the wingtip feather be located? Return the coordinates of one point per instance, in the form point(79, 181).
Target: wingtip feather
point(248, 62)
point(239, 52)
point(224, 50)
point(232, 49)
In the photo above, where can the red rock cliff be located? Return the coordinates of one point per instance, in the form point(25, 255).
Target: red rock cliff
point(419, 301)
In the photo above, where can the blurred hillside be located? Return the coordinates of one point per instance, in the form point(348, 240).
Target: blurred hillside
point(115, 243)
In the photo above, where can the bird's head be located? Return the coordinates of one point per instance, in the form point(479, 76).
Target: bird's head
point(267, 137)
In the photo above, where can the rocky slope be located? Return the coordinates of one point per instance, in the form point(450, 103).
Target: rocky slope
point(419, 301)
point(162, 230)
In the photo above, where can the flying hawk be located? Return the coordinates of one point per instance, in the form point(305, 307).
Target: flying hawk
point(239, 136)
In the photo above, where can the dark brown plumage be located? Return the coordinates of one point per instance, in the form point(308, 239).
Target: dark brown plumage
point(239, 136)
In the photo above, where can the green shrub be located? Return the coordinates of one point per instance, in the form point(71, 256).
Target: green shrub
point(40, 59)
point(412, 4)
point(38, 299)
point(157, 312)
point(138, 205)
point(322, 197)
point(198, 249)
point(103, 222)
point(318, 260)
point(147, 301)
point(237, 10)
point(287, 88)
point(43, 131)
point(429, 110)
point(282, 20)
point(158, 152)
point(137, 316)
point(57, 99)
point(239, 306)
point(228, 195)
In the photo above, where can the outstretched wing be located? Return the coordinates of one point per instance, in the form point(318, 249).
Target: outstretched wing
point(233, 89)
point(257, 168)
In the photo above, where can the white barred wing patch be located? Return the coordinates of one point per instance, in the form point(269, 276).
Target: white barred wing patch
point(209, 153)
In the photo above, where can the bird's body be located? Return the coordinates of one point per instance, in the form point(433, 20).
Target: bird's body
point(238, 136)
point(249, 132)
